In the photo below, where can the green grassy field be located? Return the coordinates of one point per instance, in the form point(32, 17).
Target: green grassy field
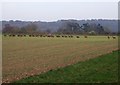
point(103, 69)
point(27, 56)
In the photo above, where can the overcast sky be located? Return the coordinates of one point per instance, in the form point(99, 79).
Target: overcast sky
point(52, 11)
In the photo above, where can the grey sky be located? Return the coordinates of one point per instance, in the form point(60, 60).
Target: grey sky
point(52, 11)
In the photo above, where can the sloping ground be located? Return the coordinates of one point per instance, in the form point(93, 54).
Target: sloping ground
point(97, 70)
point(26, 56)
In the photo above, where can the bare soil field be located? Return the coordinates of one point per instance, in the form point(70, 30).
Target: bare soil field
point(28, 56)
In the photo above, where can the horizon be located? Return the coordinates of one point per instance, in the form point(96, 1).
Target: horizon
point(57, 20)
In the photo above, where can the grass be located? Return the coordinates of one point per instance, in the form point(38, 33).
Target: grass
point(103, 69)
point(26, 56)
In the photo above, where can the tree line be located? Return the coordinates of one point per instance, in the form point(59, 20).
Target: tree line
point(66, 28)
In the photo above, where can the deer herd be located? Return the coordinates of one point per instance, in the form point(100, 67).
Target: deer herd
point(58, 36)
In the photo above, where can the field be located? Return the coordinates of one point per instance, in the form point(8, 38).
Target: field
point(28, 56)
point(97, 70)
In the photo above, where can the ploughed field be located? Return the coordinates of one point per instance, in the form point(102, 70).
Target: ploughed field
point(28, 56)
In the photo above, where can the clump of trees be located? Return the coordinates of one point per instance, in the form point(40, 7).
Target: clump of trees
point(10, 29)
point(86, 28)
point(70, 28)
point(28, 29)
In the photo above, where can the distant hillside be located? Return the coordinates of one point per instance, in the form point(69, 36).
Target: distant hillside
point(112, 25)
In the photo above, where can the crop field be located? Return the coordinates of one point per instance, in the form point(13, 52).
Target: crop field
point(27, 56)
